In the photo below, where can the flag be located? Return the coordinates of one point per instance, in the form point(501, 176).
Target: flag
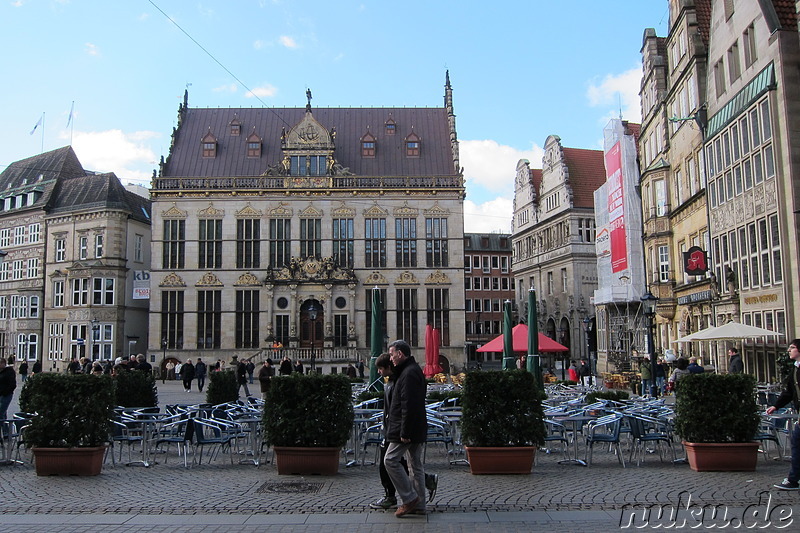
point(39, 123)
point(71, 109)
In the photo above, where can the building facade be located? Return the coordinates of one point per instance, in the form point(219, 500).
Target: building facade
point(488, 282)
point(275, 225)
point(553, 243)
point(67, 280)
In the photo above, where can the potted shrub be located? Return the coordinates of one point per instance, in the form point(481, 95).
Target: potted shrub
point(502, 421)
point(307, 420)
point(222, 387)
point(134, 388)
point(69, 431)
point(717, 417)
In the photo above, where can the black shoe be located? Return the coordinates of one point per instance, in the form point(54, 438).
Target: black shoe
point(431, 483)
point(787, 485)
point(385, 503)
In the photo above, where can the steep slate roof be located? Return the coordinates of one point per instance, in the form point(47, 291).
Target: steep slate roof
point(351, 124)
point(476, 245)
point(587, 172)
point(787, 13)
point(40, 172)
point(98, 191)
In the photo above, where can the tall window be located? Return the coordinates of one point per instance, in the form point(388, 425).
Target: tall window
point(248, 239)
point(98, 245)
point(247, 319)
point(5, 237)
point(3, 307)
point(550, 283)
point(103, 342)
point(80, 291)
point(83, 247)
point(19, 235)
point(343, 241)
point(61, 250)
point(280, 236)
point(58, 294)
point(436, 242)
point(564, 280)
point(172, 319)
point(282, 329)
point(663, 264)
point(209, 319)
point(77, 340)
point(34, 233)
point(55, 341)
point(438, 314)
point(173, 245)
point(340, 333)
point(308, 165)
point(406, 236)
point(407, 322)
point(103, 291)
point(210, 244)
point(310, 237)
point(375, 242)
point(749, 45)
point(18, 269)
point(33, 267)
point(138, 248)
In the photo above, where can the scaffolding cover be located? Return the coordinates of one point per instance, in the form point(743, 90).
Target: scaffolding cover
point(618, 218)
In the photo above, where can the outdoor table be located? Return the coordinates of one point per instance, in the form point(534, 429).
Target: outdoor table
point(360, 418)
point(253, 425)
point(453, 418)
point(148, 422)
point(576, 423)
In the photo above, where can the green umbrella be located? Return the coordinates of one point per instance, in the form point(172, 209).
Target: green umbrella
point(534, 364)
point(508, 341)
point(376, 338)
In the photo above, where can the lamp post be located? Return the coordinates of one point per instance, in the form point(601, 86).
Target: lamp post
point(649, 310)
point(164, 361)
point(312, 315)
point(586, 322)
point(95, 338)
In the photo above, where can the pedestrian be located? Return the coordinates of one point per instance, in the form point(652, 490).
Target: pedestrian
point(693, 367)
point(142, 364)
point(241, 378)
point(178, 368)
point(37, 367)
point(74, 366)
point(585, 373)
point(361, 368)
point(681, 369)
point(298, 367)
point(8, 382)
point(200, 374)
point(661, 376)
point(406, 429)
point(791, 393)
point(351, 371)
point(23, 371)
point(265, 375)
point(251, 367)
point(647, 376)
point(170, 366)
point(286, 366)
point(187, 375)
point(735, 364)
point(573, 372)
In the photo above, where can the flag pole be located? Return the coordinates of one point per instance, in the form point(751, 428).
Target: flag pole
point(42, 133)
point(71, 122)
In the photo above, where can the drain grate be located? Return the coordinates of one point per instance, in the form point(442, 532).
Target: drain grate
point(295, 487)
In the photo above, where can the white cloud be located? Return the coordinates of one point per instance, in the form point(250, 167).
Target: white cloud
point(265, 91)
point(128, 155)
point(18, 3)
point(258, 44)
point(494, 166)
point(287, 41)
point(615, 89)
point(488, 217)
point(230, 88)
point(92, 49)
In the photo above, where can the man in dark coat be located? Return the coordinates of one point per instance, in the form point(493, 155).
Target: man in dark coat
point(200, 373)
point(791, 393)
point(735, 364)
point(241, 377)
point(8, 382)
point(187, 374)
point(265, 376)
point(406, 429)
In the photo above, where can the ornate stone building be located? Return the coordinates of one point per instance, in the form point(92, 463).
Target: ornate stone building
point(275, 225)
point(553, 242)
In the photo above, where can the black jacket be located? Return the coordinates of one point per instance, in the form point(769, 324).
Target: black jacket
point(791, 390)
point(405, 414)
point(8, 381)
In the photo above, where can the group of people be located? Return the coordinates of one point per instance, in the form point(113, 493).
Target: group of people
point(580, 374)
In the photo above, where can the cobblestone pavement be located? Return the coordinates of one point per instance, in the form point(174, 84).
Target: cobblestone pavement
point(224, 497)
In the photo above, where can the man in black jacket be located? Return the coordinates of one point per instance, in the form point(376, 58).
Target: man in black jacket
point(791, 393)
point(406, 429)
point(8, 382)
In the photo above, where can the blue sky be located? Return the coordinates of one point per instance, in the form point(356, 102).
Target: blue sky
point(520, 69)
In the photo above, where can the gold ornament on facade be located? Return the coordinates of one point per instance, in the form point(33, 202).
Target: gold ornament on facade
point(172, 280)
point(210, 212)
point(209, 279)
point(343, 211)
point(247, 280)
point(281, 211)
point(406, 211)
point(311, 212)
point(173, 212)
point(437, 278)
point(406, 278)
point(376, 278)
point(248, 212)
point(436, 210)
point(375, 211)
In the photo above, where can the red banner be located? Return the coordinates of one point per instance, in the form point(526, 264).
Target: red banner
point(616, 209)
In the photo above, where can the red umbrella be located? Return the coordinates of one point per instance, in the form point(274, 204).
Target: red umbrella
point(520, 342)
point(431, 352)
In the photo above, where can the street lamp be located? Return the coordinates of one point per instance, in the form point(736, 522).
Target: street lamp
point(95, 338)
point(649, 310)
point(164, 361)
point(312, 315)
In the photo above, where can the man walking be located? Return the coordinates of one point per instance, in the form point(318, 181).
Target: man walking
point(791, 393)
point(241, 378)
point(735, 365)
point(8, 382)
point(265, 376)
point(200, 371)
point(406, 429)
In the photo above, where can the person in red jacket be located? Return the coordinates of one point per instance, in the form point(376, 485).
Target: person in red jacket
point(573, 372)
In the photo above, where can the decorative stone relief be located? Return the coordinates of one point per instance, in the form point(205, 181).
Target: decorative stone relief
point(247, 280)
point(173, 212)
point(375, 211)
point(281, 211)
point(406, 211)
point(172, 280)
point(376, 278)
point(310, 212)
point(437, 278)
point(209, 279)
point(248, 212)
point(436, 211)
point(343, 211)
point(406, 278)
point(210, 212)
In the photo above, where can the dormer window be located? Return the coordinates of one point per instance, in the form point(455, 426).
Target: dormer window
point(236, 127)
point(390, 126)
point(253, 145)
point(412, 145)
point(209, 145)
point(368, 145)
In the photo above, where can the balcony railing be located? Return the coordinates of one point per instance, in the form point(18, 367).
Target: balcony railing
point(306, 182)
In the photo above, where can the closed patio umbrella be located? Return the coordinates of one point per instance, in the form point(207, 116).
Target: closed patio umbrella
point(376, 338)
point(508, 338)
point(534, 361)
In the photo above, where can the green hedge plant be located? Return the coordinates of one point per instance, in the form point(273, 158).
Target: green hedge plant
point(502, 408)
point(72, 410)
point(716, 408)
point(313, 410)
point(135, 388)
point(222, 387)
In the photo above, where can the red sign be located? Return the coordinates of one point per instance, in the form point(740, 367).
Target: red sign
point(695, 261)
point(616, 209)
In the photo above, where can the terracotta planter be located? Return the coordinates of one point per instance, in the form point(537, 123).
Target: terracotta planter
point(722, 456)
point(295, 460)
point(500, 460)
point(69, 461)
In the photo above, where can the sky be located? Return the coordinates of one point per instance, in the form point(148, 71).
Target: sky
point(107, 76)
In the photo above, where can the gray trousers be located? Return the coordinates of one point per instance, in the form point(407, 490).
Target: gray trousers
point(411, 485)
